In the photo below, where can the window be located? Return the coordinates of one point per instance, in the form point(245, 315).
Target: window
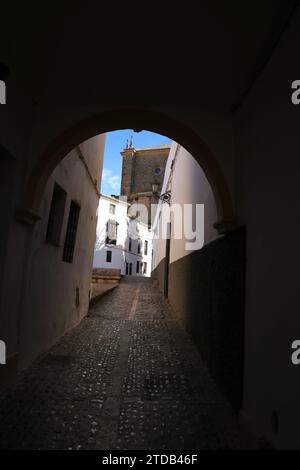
point(137, 267)
point(139, 246)
point(145, 268)
point(130, 244)
point(112, 208)
point(108, 256)
point(146, 248)
point(71, 232)
point(111, 232)
point(127, 269)
point(130, 269)
point(56, 215)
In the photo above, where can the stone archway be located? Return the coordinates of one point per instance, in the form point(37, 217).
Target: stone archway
point(136, 119)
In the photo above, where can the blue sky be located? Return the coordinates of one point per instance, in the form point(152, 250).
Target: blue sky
point(115, 143)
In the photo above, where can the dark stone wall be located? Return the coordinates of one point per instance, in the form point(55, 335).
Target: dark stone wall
point(144, 174)
point(138, 175)
point(127, 173)
point(159, 273)
point(138, 171)
point(206, 291)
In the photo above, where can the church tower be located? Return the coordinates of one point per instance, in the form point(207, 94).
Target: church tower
point(142, 171)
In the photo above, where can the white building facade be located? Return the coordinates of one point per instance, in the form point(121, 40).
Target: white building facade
point(186, 182)
point(122, 242)
point(204, 281)
point(59, 256)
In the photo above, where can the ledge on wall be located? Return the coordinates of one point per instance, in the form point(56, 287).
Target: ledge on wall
point(27, 216)
point(225, 226)
point(100, 290)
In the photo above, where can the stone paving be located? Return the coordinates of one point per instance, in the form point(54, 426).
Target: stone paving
point(128, 377)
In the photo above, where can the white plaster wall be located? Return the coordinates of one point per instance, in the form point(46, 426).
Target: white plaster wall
point(27, 129)
point(214, 127)
point(267, 155)
point(103, 215)
point(16, 123)
point(117, 259)
point(48, 308)
point(144, 234)
point(91, 149)
point(7, 188)
point(267, 129)
point(120, 251)
point(158, 246)
point(188, 185)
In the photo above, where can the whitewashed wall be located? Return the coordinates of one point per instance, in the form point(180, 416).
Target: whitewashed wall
point(120, 251)
point(188, 185)
point(52, 286)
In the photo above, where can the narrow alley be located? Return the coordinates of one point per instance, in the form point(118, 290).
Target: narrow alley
point(127, 377)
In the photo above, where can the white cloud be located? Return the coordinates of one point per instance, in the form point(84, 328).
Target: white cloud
point(112, 181)
point(105, 174)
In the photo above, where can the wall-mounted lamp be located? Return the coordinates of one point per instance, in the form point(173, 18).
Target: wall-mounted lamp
point(166, 197)
point(154, 188)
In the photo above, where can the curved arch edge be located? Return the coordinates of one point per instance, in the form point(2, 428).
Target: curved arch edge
point(123, 118)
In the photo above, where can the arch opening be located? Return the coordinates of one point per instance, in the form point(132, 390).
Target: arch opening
point(136, 119)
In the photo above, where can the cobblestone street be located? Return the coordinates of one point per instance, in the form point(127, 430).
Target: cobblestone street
point(128, 377)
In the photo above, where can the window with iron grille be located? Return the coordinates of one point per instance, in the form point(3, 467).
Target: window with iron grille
point(108, 256)
point(71, 232)
point(111, 232)
point(112, 208)
point(139, 246)
point(56, 215)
